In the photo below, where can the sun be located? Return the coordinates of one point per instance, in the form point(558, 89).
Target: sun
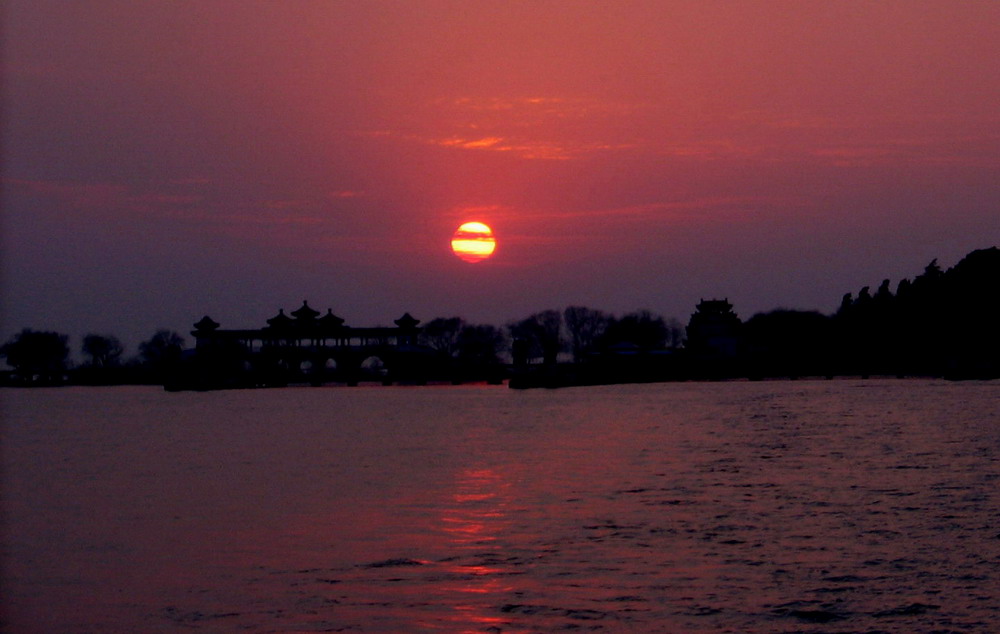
point(473, 242)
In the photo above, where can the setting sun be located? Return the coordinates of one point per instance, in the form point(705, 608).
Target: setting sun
point(473, 241)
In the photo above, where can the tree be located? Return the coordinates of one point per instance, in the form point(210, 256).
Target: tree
point(967, 316)
point(642, 328)
point(883, 295)
point(479, 345)
point(585, 327)
point(932, 272)
point(788, 343)
point(104, 351)
point(540, 334)
point(864, 298)
point(161, 352)
point(442, 334)
point(37, 356)
point(846, 304)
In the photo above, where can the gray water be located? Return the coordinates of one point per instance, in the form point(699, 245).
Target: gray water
point(833, 506)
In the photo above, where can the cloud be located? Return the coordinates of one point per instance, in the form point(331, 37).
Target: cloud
point(918, 150)
point(533, 128)
point(531, 108)
point(470, 144)
point(705, 208)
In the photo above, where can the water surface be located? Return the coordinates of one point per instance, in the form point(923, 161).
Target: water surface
point(834, 506)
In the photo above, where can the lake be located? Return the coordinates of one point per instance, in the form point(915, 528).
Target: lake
point(794, 506)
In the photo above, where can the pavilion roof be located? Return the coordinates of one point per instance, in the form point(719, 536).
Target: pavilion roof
point(407, 321)
point(206, 324)
point(330, 320)
point(305, 312)
point(281, 320)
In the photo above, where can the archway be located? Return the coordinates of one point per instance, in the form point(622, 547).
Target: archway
point(374, 367)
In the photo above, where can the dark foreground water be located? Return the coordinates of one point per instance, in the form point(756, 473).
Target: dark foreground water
point(837, 506)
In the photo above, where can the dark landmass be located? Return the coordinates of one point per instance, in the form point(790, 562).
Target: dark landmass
point(943, 323)
point(940, 324)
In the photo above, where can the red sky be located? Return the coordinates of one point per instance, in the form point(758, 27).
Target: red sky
point(164, 160)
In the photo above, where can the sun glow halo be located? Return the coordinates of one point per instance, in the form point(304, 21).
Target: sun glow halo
point(473, 242)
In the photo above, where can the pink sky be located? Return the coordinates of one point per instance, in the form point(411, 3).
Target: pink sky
point(162, 160)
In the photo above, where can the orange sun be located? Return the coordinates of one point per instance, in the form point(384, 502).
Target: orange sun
point(473, 241)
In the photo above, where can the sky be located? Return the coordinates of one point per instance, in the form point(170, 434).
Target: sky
point(166, 160)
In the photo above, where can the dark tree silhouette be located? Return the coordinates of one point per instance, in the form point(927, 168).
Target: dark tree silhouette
point(883, 295)
point(540, 334)
point(162, 344)
point(788, 343)
point(969, 318)
point(932, 272)
point(104, 351)
point(37, 357)
point(585, 326)
point(941, 323)
point(442, 334)
point(480, 345)
point(904, 288)
point(646, 330)
point(864, 298)
point(845, 305)
point(161, 354)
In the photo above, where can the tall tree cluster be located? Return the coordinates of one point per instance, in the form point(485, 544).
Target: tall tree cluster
point(941, 322)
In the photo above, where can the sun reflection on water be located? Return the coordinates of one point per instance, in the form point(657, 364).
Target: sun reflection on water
point(475, 521)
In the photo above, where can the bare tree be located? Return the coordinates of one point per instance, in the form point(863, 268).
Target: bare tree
point(104, 351)
point(442, 334)
point(585, 327)
point(541, 334)
point(161, 353)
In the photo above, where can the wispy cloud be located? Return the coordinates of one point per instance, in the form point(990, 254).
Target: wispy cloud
point(470, 144)
point(533, 127)
point(917, 150)
point(346, 193)
point(532, 107)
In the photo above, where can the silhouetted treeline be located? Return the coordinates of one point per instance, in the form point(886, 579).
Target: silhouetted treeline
point(40, 358)
point(463, 351)
point(583, 333)
point(547, 338)
point(941, 323)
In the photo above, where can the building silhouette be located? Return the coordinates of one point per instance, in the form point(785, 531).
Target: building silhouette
point(302, 347)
